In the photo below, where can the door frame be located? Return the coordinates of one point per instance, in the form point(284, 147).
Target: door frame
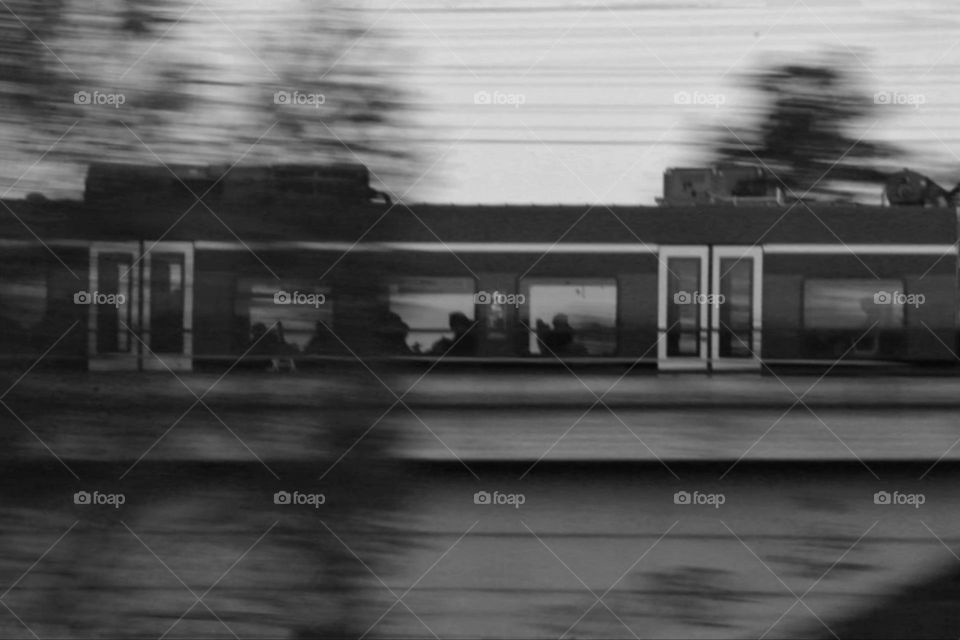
point(681, 363)
point(113, 361)
point(183, 361)
point(755, 253)
point(139, 357)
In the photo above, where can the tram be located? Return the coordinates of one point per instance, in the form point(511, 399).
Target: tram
point(186, 269)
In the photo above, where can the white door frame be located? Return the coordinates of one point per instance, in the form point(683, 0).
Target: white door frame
point(140, 356)
point(738, 251)
point(153, 361)
point(111, 361)
point(666, 362)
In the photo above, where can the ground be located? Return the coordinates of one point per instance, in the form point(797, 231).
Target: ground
point(590, 540)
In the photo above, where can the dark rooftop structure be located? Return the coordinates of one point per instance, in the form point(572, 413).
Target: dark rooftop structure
point(336, 203)
point(332, 219)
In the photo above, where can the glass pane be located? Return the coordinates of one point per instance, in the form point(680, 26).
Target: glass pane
point(853, 304)
point(432, 315)
point(113, 299)
point(576, 317)
point(736, 308)
point(842, 311)
point(283, 315)
point(23, 305)
point(24, 298)
point(683, 306)
point(166, 303)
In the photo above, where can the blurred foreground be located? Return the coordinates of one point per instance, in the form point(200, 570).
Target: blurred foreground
point(206, 553)
point(520, 416)
point(256, 516)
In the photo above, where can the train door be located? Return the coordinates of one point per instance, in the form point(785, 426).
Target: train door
point(709, 307)
point(168, 305)
point(140, 306)
point(735, 323)
point(682, 315)
point(113, 296)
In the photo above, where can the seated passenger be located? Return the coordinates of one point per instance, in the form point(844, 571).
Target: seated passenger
point(272, 343)
point(392, 335)
point(319, 341)
point(543, 329)
point(464, 341)
point(259, 340)
point(561, 339)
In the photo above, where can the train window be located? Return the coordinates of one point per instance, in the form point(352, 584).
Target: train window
point(166, 303)
point(23, 303)
point(736, 312)
point(852, 304)
point(571, 317)
point(852, 316)
point(287, 311)
point(683, 318)
point(434, 315)
point(115, 276)
point(24, 299)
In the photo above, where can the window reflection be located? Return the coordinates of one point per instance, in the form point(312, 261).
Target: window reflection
point(115, 275)
point(432, 315)
point(571, 317)
point(683, 312)
point(24, 300)
point(283, 317)
point(23, 304)
point(736, 312)
point(166, 303)
point(858, 316)
point(849, 304)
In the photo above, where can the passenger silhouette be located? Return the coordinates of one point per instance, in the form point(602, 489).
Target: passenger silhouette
point(543, 330)
point(272, 343)
point(464, 341)
point(392, 335)
point(561, 338)
point(259, 340)
point(562, 334)
point(318, 341)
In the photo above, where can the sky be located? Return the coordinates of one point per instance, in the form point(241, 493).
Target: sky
point(588, 101)
point(595, 115)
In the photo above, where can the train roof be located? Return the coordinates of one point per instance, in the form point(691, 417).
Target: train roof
point(334, 219)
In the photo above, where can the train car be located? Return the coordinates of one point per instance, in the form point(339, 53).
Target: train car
point(160, 278)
